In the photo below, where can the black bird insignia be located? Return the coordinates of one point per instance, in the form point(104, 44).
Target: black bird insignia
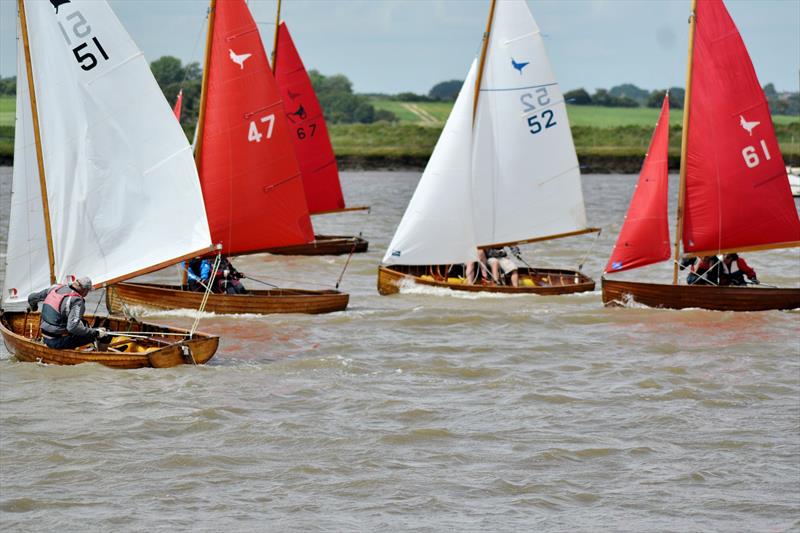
point(300, 113)
point(57, 3)
point(519, 66)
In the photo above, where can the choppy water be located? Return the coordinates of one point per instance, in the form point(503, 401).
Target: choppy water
point(425, 411)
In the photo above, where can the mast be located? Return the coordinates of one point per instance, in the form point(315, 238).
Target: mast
point(275, 41)
point(482, 60)
point(37, 137)
point(204, 84)
point(684, 138)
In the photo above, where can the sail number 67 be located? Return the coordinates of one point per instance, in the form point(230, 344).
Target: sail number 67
point(750, 155)
point(254, 135)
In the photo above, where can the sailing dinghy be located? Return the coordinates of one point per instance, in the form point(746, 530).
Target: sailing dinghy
point(249, 175)
point(734, 195)
point(94, 183)
point(503, 172)
point(312, 145)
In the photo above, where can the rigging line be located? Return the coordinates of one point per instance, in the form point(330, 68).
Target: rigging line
point(591, 247)
point(346, 263)
point(249, 277)
point(194, 48)
point(205, 296)
point(300, 282)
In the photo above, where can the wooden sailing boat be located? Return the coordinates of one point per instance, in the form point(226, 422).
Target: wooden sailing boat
point(250, 178)
point(94, 184)
point(734, 194)
point(312, 146)
point(503, 172)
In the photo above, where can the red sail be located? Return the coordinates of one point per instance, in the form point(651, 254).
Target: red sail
point(644, 237)
point(307, 124)
point(251, 181)
point(178, 103)
point(737, 192)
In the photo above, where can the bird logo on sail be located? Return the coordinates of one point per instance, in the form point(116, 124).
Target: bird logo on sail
point(58, 3)
point(239, 59)
point(300, 113)
point(748, 125)
point(519, 66)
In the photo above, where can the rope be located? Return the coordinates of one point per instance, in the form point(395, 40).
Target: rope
point(352, 251)
point(249, 277)
point(205, 297)
point(591, 247)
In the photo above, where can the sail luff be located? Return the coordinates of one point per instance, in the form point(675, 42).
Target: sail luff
point(38, 141)
point(482, 60)
point(198, 131)
point(684, 145)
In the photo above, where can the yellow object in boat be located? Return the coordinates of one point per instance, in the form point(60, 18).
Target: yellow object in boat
point(456, 281)
point(426, 278)
point(528, 282)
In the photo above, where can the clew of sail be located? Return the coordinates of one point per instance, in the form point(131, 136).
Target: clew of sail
point(309, 132)
point(102, 161)
point(437, 227)
point(644, 237)
point(525, 175)
point(251, 181)
point(737, 193)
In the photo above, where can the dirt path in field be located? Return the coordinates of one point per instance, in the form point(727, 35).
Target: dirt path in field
point(425, 118)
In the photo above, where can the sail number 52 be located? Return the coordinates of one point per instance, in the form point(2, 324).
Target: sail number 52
point(254, 135)
point(750, 155)
point(529, 102)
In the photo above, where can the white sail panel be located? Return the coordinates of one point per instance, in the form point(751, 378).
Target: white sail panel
point(123, 190)
point(526, 179)
point(27, 267)
point(437, 226)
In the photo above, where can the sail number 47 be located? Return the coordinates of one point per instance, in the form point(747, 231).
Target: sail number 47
point(750, 155)
point(254, 135)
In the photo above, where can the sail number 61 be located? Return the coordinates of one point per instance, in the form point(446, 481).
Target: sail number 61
point(254, 135)
point(750, 155)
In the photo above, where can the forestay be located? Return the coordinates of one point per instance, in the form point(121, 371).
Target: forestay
point(437, 227)
point(525, 174)
point(122, 187)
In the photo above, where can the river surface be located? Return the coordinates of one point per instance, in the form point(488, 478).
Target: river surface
point(425, 411)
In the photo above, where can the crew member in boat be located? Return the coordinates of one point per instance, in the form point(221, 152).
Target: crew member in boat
point(228, 278)
point(498, 260)
point(704, 271)
point(472, 274)
point(734, 270)
point(61, 324)
point(198, 273)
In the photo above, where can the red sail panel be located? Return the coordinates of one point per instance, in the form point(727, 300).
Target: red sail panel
point(737, 192)
point(178, 104)
point(644, 237)
point(251, 181)
point(312, 144)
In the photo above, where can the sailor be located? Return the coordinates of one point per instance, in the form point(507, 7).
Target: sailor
point(498, 259)
point(705, 270)
point(62, 324)
point(734, 269)
point(198, 273)
point(228, 278)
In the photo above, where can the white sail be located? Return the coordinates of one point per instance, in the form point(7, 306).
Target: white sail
point(526, 179)
point(122, 186)
point(437, 225)
point(27, 263)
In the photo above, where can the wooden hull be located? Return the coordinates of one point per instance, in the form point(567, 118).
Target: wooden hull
point(20, 332)
point(542, 281)
point(325, 245)
point(158, 296)
point(712, 297)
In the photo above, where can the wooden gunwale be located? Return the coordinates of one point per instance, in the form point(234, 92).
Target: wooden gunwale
point(24, 346)
point(562, 281)
point(715, 298)
point(162, 296)
point(325, 245)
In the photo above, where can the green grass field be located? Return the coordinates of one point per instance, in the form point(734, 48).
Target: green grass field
point(7, 106)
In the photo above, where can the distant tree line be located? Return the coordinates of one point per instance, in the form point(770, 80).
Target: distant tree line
point(340, 105)
point(8, 86)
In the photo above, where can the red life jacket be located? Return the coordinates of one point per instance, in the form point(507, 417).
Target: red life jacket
point(51, 307)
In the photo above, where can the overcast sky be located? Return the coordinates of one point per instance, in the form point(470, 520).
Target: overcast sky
point(392, 46)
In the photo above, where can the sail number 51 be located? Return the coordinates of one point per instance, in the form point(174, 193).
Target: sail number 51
point(254, 135)
point(750, 154)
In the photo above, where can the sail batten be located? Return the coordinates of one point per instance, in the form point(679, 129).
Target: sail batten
point(122, 192)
